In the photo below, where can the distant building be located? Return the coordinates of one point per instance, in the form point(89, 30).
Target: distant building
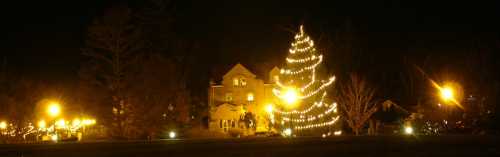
point(238, 102)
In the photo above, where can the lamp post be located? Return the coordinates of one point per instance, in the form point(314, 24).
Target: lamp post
point(447, 93)
point(291, 98)
point(54, 110)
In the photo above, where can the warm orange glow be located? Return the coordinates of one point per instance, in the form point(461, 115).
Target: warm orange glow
point(3, 125)
point(269, 108)
point(408, 130)
point(42, 124)
point(76, 122)
point(88, 121)
point(446, 93)
point(61, 123)
point(54, 109)
point(250, 97)
point(291, 96)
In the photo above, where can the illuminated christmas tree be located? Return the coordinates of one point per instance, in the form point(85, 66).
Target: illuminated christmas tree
point(303, 106)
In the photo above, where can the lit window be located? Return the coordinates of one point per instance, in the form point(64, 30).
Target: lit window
point(239, 82)
point(236, 82)
point(229, 97)
point(243, 82)
point(250, 97)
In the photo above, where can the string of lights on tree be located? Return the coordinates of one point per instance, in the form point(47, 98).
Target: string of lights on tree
point(303, 95)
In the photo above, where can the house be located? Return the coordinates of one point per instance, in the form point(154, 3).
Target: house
point(238, 101)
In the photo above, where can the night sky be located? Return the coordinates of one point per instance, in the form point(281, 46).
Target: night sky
point(44, 38)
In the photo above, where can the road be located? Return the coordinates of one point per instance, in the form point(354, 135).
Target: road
point(406, 146)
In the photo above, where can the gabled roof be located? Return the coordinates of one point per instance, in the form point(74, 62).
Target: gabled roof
point(275, 68)
point(240, 69)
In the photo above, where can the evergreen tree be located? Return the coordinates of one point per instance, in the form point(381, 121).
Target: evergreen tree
point(114, 43)
point(303, 106)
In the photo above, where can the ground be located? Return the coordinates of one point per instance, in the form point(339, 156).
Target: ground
point(272, 147)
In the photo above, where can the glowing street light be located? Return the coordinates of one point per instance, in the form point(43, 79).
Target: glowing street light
point(3, 125)
point(54, 137)
point(88, 121)
point(61, 123)
point(447, 93)
point(291, 96)
point(337, 133)
point(76, 122)
point(54, 109)
point(450, 93)
point(269, 108)
point(287, 132)
point(171, 134)
point(408, 130)
point(42, 124)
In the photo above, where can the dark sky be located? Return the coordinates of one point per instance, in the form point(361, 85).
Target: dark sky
point(44, 38)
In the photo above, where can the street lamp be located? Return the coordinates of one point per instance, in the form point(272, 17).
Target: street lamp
point(171, 134)
point(3, 125)
point(61, 123)
point(409, 130)
point(76, 122)
point(450, 93)
point(42, 124)
point(291, 96)
point(54, 109)
point(447, 93)
point(287, 132)
point(269, 108)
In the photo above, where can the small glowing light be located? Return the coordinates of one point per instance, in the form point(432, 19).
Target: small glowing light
point(287, 132)
point(42, 124)
point(291, 96)
point(54, 137)
point(408, 130)
point(447, 93)
point(88, 121)
point(250, 97)
point(61, 123)
point(3, 125)
point(269, 108)
point(171, 134)
point(76, 122)
point(54, 109)
point(323, 136)
point(439, 105)
point(337, 133)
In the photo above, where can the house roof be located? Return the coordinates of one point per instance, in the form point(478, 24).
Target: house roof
point(239, 69)
point(260, 70)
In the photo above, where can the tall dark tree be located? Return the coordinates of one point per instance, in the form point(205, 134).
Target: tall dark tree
point(158, 18)
point(114, 43)
point(134, 63)
point(160, 95)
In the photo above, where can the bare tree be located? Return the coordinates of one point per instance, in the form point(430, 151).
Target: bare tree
point(356, 102)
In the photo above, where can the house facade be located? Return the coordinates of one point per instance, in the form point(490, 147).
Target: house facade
point(238, 101)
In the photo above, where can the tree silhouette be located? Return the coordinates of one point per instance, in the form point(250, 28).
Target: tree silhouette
point(356, 102)
point(114, 43)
